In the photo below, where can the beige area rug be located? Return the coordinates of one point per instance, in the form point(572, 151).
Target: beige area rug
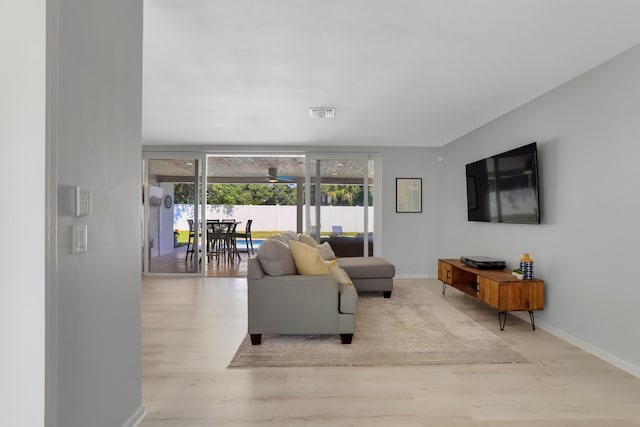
point(414, 327)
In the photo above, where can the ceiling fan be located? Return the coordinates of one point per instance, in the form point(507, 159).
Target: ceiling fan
point(274, 178)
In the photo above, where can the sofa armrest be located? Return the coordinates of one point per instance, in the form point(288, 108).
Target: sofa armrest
point(299, 289)
point(293, 304)
point(348, 299)
point(254, 269)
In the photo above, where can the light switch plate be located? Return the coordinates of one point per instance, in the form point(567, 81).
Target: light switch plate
point(83, 202)
point(80, 238)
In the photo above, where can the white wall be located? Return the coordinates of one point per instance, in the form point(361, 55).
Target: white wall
point(99, 140)
point(586, 249)
point(411, 240)
point(22, 274)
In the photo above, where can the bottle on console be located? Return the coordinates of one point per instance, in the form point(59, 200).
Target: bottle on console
point(526, 266)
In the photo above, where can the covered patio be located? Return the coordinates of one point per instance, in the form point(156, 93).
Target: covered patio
point(166, 216)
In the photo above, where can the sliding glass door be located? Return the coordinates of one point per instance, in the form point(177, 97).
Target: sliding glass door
point(339, 199)
point(172, 231)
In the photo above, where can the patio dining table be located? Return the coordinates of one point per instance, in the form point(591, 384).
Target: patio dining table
point(221, 240)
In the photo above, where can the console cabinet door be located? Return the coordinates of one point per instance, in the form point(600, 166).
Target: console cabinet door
point(511, 295)
point(489, 291)
point(536, 295)
point(445, 272)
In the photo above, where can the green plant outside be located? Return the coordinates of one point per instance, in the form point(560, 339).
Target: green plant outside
point(183, 235)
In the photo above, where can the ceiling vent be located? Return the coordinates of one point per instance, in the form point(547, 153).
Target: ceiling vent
point(322, 112)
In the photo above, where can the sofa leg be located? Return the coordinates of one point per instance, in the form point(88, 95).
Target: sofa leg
point(256, 339)
point(386, 294)
point(346, 338)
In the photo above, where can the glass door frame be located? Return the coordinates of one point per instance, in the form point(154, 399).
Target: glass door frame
point(377, 194)
point(200, 162)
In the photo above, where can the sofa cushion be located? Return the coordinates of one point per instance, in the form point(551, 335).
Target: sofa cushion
point(366, 267)
point(275, 258)
point(307, 259)
point(340, 275)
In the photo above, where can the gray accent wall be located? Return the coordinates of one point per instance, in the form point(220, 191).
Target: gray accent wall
point(70, 116)
point(98, 118)
point(586, 249)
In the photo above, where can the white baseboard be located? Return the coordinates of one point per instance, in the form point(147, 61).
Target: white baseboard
point(589, 348)
point(136, 418)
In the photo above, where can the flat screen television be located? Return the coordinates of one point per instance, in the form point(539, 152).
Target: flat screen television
point(504, 187)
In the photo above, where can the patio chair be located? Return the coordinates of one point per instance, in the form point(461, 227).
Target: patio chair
point(190, 241)
point(214, 237)
point(246, 235)
point(229, 231)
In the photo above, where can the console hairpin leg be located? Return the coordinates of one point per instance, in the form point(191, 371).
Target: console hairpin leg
point(444, 284)
point(502, 319)
point(533, 320)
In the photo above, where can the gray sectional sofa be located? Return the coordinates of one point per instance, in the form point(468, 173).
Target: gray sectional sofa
point(281, 301)
point(369, 274)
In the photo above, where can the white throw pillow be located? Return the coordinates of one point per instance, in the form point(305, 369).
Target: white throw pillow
point(289, 235)
point(305, 238)
point(326, 251)
point(275, 258)
point(280, 238)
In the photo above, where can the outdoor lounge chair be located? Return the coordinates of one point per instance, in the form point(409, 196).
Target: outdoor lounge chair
point(336, 230)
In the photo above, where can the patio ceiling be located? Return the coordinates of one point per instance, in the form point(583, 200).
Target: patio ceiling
point(255, 169)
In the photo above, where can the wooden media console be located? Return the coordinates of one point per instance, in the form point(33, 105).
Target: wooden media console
point(497, 288)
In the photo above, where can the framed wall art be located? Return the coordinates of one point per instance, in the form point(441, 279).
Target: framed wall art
point(408, 195)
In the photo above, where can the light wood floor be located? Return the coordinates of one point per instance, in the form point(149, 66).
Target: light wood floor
point(192, 328)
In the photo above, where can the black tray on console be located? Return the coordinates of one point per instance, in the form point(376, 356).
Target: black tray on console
point(483, 262)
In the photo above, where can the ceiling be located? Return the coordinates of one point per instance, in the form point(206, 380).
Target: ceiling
point(398, 73)
point(255, 169)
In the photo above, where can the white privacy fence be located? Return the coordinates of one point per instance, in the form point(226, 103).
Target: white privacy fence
point(277, 217)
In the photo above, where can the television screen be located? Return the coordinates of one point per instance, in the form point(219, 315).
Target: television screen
point(504, 187)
